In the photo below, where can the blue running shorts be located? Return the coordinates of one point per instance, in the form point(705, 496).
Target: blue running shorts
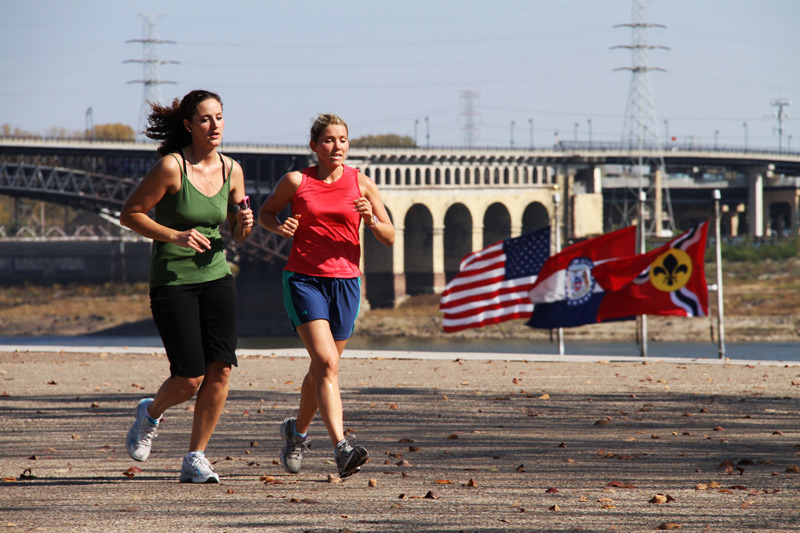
point(337, 300)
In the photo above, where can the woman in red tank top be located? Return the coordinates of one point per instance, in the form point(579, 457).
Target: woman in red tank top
point(322, 278)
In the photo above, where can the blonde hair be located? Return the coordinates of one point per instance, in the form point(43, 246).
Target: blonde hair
point(323, 121)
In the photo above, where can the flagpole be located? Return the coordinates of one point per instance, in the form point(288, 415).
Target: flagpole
point(720, 307)
point(557, 216)
point(642, 249)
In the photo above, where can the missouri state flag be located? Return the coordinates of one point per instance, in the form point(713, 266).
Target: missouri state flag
point(492, 285)
point(669, 280)
point(566, 293)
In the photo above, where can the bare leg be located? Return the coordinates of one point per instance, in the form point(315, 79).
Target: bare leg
point(174, 391)
point(210, 402)
point(321, 385)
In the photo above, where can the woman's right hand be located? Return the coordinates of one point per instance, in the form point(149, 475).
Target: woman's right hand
point(193, 239)
point(289, 226)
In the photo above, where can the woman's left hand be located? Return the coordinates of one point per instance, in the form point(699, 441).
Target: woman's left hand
point(364, 208)
point(245, 218)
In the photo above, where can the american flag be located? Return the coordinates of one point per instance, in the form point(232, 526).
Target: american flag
point(492, 285)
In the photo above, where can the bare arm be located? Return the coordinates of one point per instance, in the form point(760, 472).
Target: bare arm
point(240, 221)
point(163, 178)
point(370, 205)
point(276, 202)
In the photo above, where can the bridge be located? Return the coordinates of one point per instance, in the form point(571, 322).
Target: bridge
point(444, 202)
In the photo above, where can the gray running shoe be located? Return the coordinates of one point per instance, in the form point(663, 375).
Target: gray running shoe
point(293, 448)
point(197, 469)
point(142, 432)
point(350, 458)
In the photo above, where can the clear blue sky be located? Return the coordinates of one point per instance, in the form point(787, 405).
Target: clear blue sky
point(384, 65)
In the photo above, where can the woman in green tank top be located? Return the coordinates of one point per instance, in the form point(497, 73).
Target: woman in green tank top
point(193, 189)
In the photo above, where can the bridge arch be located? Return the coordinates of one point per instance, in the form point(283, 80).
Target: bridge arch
point(377, 269)
point(458, 230)
point(418, 250)
point(535, 217)
point(496, 224)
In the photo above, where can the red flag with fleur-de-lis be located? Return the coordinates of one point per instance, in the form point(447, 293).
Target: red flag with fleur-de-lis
point(669, 280)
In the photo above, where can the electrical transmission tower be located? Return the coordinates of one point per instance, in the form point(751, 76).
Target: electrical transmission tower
point(151, 80)
point(470, 131)
point(780, 114)
point(646, 173)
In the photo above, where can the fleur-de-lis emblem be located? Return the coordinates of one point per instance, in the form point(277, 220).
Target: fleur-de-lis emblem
point(671, 270)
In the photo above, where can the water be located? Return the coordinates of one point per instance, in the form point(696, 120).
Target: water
point(766, 351)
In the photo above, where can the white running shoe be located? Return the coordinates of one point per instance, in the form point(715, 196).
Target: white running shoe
point(142, 432)
point(197, 469)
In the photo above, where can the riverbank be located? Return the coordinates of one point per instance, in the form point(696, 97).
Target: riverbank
point(762, 304)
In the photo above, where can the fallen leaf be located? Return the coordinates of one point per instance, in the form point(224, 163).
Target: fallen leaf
point(393, 406)
point(472, 483)
point(551, 490)
point(521, 468)
point(452, 436)
point(269, 480)
point(304, 500)
point(620, 485)
point(658, 499)
point(432, 495)
point(444, 482)
point(372, 482)
point(132, 471)
point(669, 525)
point(554, 508)
point(793, 469)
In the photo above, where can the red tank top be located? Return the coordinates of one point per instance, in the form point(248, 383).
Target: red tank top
point(326, 242)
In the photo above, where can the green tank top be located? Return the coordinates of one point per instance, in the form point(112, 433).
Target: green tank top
point(188, 208)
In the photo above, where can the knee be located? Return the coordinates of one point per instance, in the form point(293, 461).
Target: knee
point(189, 386)
point(326, 368)
point(218, 373)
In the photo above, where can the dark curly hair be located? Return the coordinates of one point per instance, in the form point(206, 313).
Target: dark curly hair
point(165, 123)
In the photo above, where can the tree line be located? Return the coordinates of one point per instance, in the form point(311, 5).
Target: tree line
point(123, 132)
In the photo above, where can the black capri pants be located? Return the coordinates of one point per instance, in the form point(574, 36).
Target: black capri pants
point(198, 324)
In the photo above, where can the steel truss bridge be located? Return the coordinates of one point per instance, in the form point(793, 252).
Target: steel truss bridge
point(106, 195)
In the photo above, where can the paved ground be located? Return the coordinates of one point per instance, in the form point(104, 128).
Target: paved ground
point(479, 444)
